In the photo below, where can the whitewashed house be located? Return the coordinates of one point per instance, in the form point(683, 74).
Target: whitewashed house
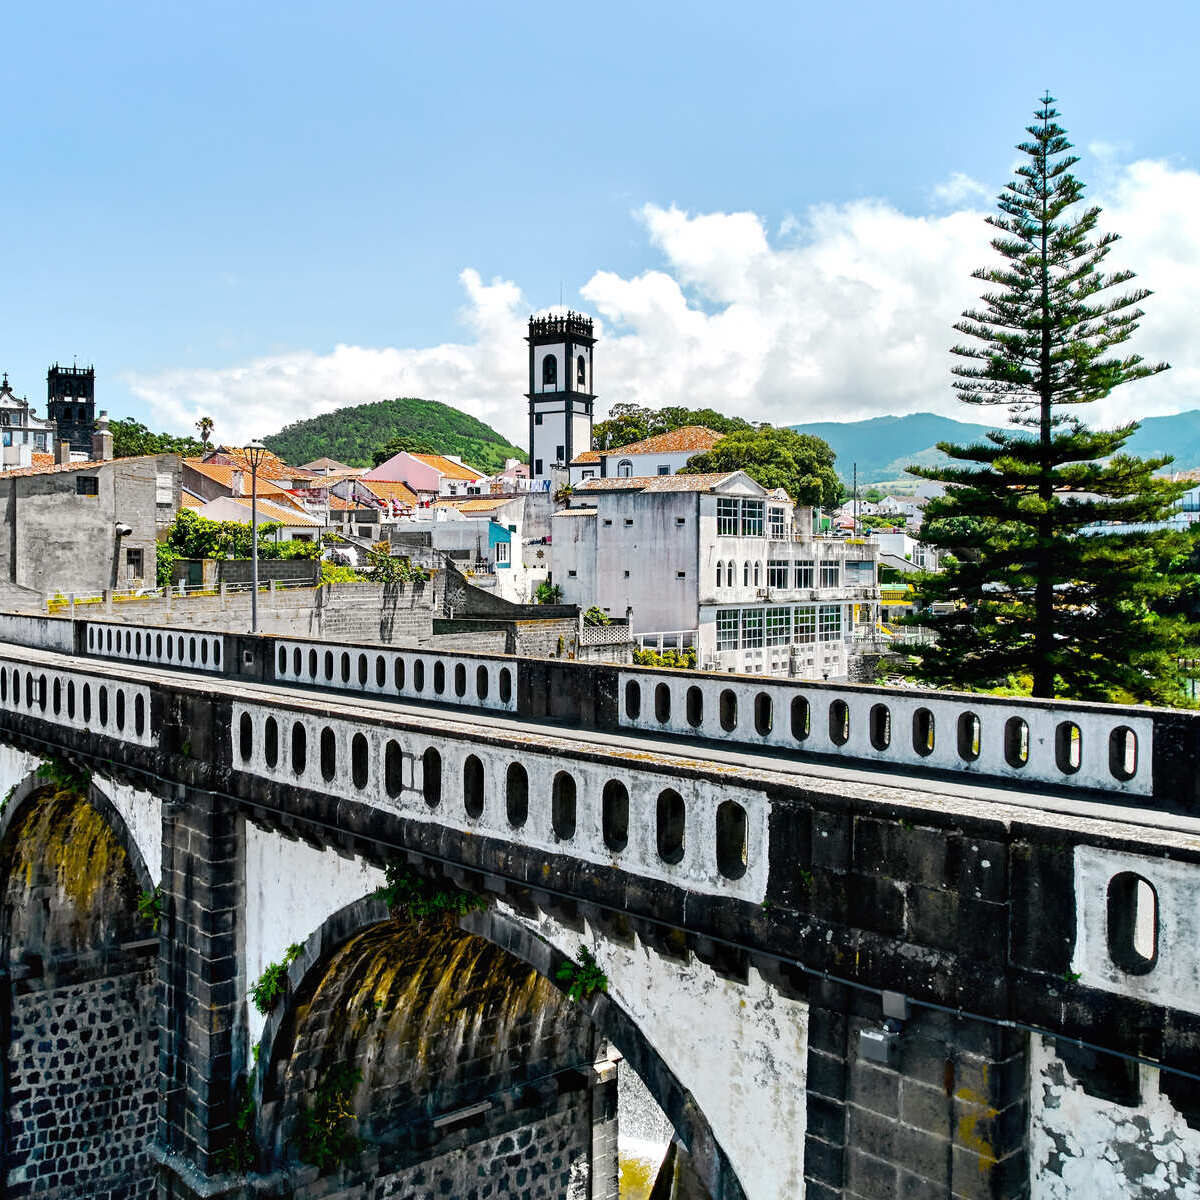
point(719, 563)
point(663, 454)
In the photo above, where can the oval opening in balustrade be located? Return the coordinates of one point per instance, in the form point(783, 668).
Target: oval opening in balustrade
point(1016, 742)
point(328, 754)
point(57, 698)
point(1122, 753)
point(179, 648)
point(299, 748)
point(670, 826)
point(1068, 747)
point(380, 671)
point(70, 696)
point(695, 707)
point(128, 641)
point(398, 673)
point(4, 686)
point(271, 742)
point(505, 685)
point(328, 666)
point(245, 737)
point(359, 760)
point(633, 700)
point(562, 806)
point(764, 714)
point(393, 769)
point(481, 682)
point(102, 705)
point(170, 649)
point(158, 645)
point(801, 718)
point(282, 660)
point(297, 661)
point(1132, 923)
point(345, 666)
point(460, 680)
point(108, 640)
point(880, 721)
point(41, 695)
point(473, 787)
point(137, 643)
point(120, 703)
point(419, 675)
point(923, 731)
point(728, 709)
point(139, 714)
point(516, 795)
point(364, 669)
point(614, 807)
point(970, 736)
point(204, 652)
point(216, 653)
point(839, 722)
point(30, 690)
point(312, 664)
point(192, 650)
point(731, 839)
point(439, 677)
point(87, 699)
point(662, 703)
point(431, 777)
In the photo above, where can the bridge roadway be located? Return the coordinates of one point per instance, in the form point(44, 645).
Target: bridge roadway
point(976, 797)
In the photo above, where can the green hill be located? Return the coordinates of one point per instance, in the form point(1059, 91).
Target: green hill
point(884, 446)
point(354, 435)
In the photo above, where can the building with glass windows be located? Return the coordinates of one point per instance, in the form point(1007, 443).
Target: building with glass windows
point(22, 432)
point(719, 564)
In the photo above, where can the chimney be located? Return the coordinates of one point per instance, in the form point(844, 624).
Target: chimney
point(62, 453)
point(237, 482)
point(102, 439)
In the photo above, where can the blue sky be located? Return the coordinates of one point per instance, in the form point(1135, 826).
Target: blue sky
point(208, 200)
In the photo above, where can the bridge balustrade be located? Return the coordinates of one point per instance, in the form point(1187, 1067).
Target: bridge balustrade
point(186, 649)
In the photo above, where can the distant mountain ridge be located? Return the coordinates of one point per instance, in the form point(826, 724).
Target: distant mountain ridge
point(884, 446)
point(353, 435)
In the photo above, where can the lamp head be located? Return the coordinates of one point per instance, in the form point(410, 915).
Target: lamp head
point(254, 452)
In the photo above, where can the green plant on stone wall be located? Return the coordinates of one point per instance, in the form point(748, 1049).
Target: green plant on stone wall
point(241, 1154)
point(412, 897)
point(271, 983)
point(150, 907)
point(583, 977)
point(65, 776)
point(325, 1134)
point(596, 616)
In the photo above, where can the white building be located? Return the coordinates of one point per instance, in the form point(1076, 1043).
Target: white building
point(719, 563)
point(662, 454)
point(23, 433)
point(560, 391)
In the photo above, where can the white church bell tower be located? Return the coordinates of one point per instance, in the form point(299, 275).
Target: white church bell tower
point(561, 391)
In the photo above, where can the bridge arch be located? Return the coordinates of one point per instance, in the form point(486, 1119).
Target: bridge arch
point(80, 1083)
point(518, 938)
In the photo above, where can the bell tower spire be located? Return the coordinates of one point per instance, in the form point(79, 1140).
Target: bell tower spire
point(561, 391)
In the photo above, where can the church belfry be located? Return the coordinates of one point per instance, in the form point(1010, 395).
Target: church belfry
point(71, 401)
point(561, 391)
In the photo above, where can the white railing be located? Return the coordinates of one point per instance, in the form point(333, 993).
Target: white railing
point(678, 639)
point(604, 635)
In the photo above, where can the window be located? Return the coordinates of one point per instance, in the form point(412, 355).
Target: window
point(560, 453)
point(860, 571)
point(502, 552)
point(39, 441)
point(806, 625)
point(589, 475)
point(720, 573)
point(7, 438)
point(86, 485)
point(624, 469)
point(777, 573)
point(804, 573)
point(752, 628)
point(6, 419)
point(628, 522)
point(727, 517)
point(537, 466)
point(779, 626)
point(664, 469)
point(608, 520)
point(626, 576)
point(775, 522)
point(758, 574)
point(681, 520)
point(829, 622)
point(752, 518)
point(680, 574)
point(537, 418)
point(133, 562)
point(581, 370)
point(570, 574)
point(549, 370)
point(831, 575)
point(727, 628)
point(746, 573)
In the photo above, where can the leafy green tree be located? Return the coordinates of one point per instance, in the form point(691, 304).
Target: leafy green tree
point(797, 462)
point(628, 423)
point(131, 438)
point(192, 536)
point(1045, 583)
point(409, 443)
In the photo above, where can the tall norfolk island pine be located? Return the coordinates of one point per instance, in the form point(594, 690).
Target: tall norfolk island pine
point(1032, 594)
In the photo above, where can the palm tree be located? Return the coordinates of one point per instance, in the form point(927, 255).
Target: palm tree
point(205, 428)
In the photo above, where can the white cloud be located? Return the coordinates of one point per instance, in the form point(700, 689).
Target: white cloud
point(959, 189)
point(849, 316)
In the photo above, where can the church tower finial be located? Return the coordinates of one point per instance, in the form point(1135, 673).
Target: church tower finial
point(561, 390)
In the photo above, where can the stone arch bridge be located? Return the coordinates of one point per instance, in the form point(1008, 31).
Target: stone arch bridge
point(292, 918)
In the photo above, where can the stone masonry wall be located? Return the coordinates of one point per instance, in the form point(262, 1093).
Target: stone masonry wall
point(82, 1088)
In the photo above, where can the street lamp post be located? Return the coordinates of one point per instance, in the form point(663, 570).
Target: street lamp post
point(254, 452)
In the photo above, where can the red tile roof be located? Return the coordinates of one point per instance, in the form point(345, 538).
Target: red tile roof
point(688, 438)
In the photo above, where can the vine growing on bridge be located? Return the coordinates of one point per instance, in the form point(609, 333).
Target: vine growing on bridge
point(65, 776)
point(583, 977)
point(324, 1133)
point(271, 983)
point(412, 897)
point(150, 907)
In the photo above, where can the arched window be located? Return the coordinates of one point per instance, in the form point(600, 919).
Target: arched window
point(757, 574)
point(581, 370)
point(624, 468)
point(720, 573)
point(746, 574)
point(549, 369)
